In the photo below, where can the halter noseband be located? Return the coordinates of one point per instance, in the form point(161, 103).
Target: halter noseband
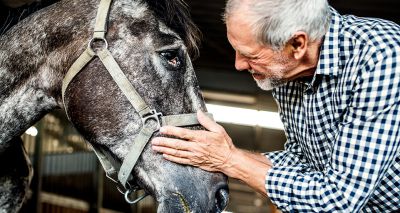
point(111, 166)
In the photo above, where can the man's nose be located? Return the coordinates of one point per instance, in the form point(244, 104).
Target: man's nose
point(241, 62)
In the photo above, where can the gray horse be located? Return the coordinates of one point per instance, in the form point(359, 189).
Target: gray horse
point(151, 41)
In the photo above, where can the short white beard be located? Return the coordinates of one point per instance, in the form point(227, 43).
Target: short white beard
point(269, 84)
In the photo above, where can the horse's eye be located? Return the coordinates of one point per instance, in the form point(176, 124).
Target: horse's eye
point(172, 57)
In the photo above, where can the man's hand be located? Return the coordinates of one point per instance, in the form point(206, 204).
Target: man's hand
point(213, 151)
point(209, 150)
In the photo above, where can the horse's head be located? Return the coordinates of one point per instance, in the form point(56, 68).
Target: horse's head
point(150, 41)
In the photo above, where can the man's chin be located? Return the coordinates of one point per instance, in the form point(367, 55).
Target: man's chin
point(264, 84)
point(268, 84)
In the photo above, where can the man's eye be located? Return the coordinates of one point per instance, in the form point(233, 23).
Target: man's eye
point(172, 57)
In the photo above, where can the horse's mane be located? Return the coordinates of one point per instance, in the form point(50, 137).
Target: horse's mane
point(175, 14)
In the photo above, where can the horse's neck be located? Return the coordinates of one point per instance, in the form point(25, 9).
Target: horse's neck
point(34, 56)
point(24, 97)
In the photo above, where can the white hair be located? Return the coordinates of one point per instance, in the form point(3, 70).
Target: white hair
point(274, 22)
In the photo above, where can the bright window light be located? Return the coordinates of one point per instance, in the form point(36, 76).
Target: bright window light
point(32, 131)
point(246, 117)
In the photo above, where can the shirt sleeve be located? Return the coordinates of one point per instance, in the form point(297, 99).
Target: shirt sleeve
point(366, 145)
point(288, 157)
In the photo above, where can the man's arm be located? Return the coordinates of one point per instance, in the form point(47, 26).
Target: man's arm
point(213, 151)
point(250, 168)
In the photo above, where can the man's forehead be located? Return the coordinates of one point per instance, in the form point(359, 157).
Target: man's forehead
point(241, 37)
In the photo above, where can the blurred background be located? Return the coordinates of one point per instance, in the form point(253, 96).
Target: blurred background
point(68, 177)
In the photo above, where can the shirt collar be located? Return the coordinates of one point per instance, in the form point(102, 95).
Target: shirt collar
point(328, 63)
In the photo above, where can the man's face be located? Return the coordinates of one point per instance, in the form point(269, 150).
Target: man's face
point(269, 68)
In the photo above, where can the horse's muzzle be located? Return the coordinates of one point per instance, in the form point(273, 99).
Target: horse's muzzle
point(190, 200)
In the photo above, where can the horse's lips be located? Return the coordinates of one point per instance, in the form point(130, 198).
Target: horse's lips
point(178, 205)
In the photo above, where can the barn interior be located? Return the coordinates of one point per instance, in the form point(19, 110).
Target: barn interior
point(69, 178)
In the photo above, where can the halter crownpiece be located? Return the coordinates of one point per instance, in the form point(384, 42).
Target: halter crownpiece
point(111, 166)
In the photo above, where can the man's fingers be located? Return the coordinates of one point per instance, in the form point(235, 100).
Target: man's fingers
point(177, 159)
point(208, 123)
point(172, 152)
point(171, 142)
point(178, 132)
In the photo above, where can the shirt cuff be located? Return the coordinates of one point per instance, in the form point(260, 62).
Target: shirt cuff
point(279, 183)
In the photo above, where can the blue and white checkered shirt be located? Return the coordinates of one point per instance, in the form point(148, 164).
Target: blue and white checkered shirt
point(343, 127)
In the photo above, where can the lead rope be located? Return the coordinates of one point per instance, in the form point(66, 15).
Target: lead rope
point(124, 176)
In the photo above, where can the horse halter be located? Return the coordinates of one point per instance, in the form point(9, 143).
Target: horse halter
point(110, 165)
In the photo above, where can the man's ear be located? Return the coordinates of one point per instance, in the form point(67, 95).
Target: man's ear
point(298, 44)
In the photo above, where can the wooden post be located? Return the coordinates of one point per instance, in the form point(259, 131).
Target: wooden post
point(37, 168)
point(98, 181)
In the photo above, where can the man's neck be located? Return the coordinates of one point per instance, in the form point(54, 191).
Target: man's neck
point(308, 65)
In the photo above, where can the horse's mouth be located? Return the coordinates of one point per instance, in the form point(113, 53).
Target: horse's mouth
point(185, 205)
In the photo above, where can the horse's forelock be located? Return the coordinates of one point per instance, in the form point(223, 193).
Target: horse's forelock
point(175, 14)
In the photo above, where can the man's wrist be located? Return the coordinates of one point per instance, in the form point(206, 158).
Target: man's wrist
point(232, 166)
point(251, 168)
point(242, 163)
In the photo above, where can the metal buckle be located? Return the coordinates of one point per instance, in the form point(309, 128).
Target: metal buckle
point(129, 192)
point(154, 115)
point(128, 186)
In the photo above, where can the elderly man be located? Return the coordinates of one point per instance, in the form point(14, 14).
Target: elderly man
point(336, 80)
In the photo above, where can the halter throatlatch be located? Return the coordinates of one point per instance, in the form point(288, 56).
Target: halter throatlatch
point(117, 172)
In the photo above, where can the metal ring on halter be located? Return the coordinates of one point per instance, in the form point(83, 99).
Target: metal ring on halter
point(135, 188)
point(153, 116)
point(129, 192)
point(97, 39)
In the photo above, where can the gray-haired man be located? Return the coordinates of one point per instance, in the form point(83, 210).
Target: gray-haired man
point(336, 80)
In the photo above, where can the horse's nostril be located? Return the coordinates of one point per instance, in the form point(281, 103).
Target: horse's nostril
point(221, 198)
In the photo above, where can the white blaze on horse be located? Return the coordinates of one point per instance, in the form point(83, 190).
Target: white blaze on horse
point(120, 70)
